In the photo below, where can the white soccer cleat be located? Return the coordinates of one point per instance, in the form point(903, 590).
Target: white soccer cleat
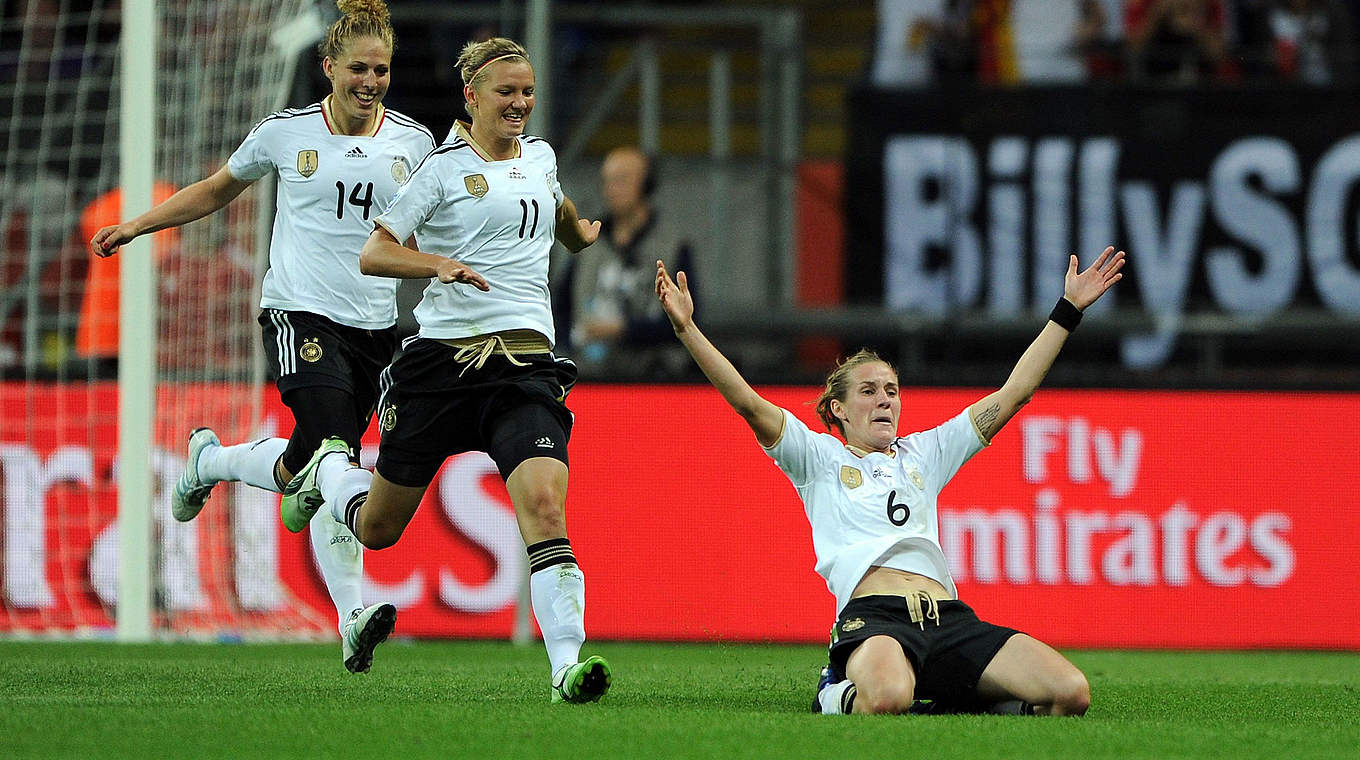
point(191, 493)
point(365, 630)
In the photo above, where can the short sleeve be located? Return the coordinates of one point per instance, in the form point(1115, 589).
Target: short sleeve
point(251, 160)
point(415, 202)
point(798, 451)
point(949, 446)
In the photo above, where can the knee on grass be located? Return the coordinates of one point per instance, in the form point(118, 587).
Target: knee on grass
point(884, 699)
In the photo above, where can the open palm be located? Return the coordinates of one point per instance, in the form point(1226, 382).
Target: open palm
point(1085, 288)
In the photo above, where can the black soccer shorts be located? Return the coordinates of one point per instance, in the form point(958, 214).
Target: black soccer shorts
point(433, 407)
point(948, 655)
point(307, 350)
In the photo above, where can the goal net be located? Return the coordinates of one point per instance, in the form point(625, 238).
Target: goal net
point(222, 65)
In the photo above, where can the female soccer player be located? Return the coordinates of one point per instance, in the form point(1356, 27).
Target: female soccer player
point(901, 633)
point(329, 330)
point(481, 375)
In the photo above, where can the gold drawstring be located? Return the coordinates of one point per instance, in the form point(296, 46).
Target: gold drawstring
point(931, 612)
point(476, 354)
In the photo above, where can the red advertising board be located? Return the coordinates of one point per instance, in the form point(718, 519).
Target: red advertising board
point(1096, 518)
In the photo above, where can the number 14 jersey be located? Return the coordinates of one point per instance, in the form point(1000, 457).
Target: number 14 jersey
point(330, 189)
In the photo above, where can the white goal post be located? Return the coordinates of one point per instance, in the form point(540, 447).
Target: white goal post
point(94, 408)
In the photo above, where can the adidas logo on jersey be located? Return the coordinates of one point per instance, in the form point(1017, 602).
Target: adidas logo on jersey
point(514, 173)
point(355, 153)
point(544, 443)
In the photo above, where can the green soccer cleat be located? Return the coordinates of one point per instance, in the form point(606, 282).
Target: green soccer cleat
point(363, 633)
point(301, 497)
point(583, 682)
point(191, 493)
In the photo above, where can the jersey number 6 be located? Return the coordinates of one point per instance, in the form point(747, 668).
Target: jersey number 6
point(897, 513)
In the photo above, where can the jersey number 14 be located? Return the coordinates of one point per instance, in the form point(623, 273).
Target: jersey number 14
point(365, 202)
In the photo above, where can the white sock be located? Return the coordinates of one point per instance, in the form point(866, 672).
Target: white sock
point(340, 481)
point(252, 463)
point(341, 561)
point(837, 698)
point(559, 600)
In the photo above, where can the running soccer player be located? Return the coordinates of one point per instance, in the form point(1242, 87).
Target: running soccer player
point(901, 633)
point(481, 375)
point(328, 329)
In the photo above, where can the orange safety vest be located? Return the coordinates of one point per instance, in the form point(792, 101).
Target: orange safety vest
point(97, 332)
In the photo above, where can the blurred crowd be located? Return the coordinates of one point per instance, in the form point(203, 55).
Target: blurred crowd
point(1167, 42)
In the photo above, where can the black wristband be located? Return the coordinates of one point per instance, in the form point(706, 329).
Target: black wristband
point(1065, 314)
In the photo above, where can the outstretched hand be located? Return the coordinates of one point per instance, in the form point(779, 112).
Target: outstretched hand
point(1085, 288)
point(451, 270)
point(106, 241)
point(675, 297)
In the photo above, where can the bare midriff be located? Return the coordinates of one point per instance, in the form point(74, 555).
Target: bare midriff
point(886, 580)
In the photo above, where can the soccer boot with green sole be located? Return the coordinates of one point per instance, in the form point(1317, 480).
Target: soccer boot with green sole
point(586, 681)
point(302, 497)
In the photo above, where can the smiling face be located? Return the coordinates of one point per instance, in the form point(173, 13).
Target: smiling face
point(359, 79)
point(871, 407)
point(502, 100)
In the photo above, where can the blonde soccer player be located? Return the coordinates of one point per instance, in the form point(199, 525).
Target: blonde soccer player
point(328, 328)
point(486, 208)
point(901, 632)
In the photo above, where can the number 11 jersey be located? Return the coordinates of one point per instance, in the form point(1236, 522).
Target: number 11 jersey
point(331, 186)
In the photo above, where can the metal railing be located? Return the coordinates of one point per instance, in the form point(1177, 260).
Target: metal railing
point(773, 34)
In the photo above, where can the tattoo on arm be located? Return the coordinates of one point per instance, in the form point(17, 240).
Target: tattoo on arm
point(987, 420)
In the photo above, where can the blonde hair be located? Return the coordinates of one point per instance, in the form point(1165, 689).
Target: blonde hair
point(359, 18)
point(475, 57)
point(838, 386)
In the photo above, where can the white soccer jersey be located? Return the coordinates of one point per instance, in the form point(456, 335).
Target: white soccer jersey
point(331, 187)
point(494, 216)
point(878, 509)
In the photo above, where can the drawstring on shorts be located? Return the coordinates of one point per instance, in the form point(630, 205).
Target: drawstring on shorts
point(919, 614)
point(474, 355)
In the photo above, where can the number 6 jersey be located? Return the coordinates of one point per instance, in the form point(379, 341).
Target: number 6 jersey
point(330, 189)
point(877, 509)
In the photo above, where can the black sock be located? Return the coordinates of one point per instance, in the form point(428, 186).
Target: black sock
point(352, 512)
point(545, 554)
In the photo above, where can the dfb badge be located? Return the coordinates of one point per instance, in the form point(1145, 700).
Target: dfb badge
point(310, 351)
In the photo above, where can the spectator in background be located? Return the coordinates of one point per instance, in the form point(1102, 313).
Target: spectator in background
point(1177, 41)
point(992, 41)
point(618, 326)
point(1311, 41)
point(1034, 41)
point(903, 53)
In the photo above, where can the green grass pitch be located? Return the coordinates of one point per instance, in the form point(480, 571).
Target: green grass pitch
point(490, 700)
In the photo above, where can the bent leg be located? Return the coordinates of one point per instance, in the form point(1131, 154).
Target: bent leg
point(883, 676)
point(1028, 669)
point(389, 508)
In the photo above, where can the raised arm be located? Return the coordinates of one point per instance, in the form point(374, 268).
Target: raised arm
point(571, 230)
point(193, 202)
point(766, 419)
point(383, 256)
point(1079, 291)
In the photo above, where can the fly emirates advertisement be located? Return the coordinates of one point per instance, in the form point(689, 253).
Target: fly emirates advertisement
point(1095, 519)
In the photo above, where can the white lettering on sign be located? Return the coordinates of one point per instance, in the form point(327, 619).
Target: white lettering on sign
point(1047, 196)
